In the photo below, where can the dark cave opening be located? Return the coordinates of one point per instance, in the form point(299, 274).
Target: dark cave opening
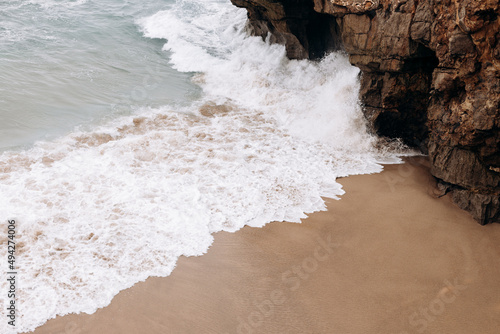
point(407, 119)
point(323, 35)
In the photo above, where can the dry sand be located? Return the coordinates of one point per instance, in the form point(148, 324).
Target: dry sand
point(389, 257)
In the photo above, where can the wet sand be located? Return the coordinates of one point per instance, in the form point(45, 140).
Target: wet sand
point(389, 257)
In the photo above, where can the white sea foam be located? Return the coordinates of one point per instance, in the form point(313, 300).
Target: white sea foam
point(99, 211)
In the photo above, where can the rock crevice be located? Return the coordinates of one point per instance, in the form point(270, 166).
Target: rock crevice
point(306, 33)
point(430, 75)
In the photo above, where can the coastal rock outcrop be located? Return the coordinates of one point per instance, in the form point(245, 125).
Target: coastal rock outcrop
point(304, 32)
point(430, 75)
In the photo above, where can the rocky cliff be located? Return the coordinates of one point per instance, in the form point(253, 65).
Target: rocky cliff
point(430, 75)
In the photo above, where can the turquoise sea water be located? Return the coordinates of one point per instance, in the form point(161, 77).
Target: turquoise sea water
point(70, 63)
point(131, 131)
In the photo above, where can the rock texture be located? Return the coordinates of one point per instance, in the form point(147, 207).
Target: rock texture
point(294, 23)
point(430, 75)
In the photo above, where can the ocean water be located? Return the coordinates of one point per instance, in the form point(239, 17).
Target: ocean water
point(130, 132)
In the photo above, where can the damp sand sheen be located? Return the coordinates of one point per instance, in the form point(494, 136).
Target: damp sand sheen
point(117, 163)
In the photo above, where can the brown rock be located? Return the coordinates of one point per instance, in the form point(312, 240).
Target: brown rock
point(345, 6)
point(484, 208)
point(460, 44)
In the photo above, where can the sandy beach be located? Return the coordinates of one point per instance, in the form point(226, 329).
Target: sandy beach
point(389, 257)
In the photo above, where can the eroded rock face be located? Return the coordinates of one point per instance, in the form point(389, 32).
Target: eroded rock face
point(463, 112)
point(294, 23)
point(345, 6)
point(430, 75)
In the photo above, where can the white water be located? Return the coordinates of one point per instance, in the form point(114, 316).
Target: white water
point(103, 209)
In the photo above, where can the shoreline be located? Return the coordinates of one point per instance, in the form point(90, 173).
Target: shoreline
point(389, 257)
